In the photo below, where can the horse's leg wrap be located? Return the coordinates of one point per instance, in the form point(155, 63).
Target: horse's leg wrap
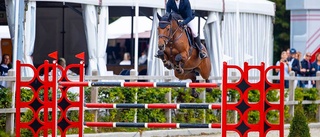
point(202, 53)
point(178, 60)
point(168, 64)
point(194, 93)
point(160, 54)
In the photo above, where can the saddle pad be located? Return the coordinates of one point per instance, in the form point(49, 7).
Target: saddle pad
point(189, 33)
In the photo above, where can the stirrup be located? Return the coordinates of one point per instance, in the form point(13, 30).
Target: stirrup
point(202, 55)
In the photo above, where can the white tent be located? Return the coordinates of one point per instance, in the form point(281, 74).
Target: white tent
point(4, 32)
point(122, 26)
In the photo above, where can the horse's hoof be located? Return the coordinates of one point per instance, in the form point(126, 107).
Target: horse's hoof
point(179, 70)
point(169, 67)
point(195, 94)
point(209, 90)
point(160, 52)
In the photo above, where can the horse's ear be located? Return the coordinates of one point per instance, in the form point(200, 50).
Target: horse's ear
point(159, 17)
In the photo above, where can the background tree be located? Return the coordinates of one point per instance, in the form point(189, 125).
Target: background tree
point(281, 30)
point(299, 126)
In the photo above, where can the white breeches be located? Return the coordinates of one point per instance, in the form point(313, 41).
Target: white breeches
point(194, 27)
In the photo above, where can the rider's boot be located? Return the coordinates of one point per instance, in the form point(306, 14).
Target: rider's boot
point(202, 53)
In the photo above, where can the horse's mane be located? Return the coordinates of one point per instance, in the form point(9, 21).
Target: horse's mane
point(166, 18)
point(174, 16)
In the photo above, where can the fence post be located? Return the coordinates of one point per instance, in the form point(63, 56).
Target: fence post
point(235, 113)
point(318, 81)
point(291, 94)
point(94, 98)
point(134, 73)
point(318, 87)
point(10, 116)
point(168, 97)
point(203, 97)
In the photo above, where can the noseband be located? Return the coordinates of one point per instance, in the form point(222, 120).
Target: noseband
point(169, 39)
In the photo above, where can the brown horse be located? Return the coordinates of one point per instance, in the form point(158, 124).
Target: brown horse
point(176, 52)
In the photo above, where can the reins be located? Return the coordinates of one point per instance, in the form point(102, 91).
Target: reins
point(171, 34)
point(168, 39)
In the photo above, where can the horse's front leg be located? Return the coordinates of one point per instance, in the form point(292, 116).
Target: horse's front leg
point(178, 65)
point(180, 60)
point(167, 63)
point(165, 59)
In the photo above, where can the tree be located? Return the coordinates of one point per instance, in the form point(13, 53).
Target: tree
point(299, 126)
point(281, 30)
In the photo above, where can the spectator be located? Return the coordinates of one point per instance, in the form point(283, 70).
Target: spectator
point(62, 62)
point(305, 70)
point(284, 60)
point(143, 58)
point(4, 68)
point(298, 57)
point(126, 59)
point(315, 66)
point(288, 52)
point(293, 62)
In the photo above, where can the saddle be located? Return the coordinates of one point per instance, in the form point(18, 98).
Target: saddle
point(190, 37)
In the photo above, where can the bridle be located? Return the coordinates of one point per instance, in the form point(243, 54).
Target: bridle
point(169, 39)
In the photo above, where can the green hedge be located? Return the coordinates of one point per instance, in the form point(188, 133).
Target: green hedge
point(157, 95)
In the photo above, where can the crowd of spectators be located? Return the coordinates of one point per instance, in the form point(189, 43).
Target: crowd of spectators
point(302, 67)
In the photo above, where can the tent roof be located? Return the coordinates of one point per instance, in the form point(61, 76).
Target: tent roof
point(121, 28)
point(249, 6)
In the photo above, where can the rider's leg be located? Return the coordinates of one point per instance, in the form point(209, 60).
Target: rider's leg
point(193, 25)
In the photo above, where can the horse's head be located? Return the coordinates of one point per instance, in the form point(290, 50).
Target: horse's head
point(167, 28)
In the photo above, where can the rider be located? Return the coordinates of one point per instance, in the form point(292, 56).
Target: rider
point(183, 8)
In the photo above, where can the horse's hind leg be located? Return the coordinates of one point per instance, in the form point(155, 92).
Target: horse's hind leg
point(194, 93)
point(208, 89)
point(193, 77)
point(205, 70)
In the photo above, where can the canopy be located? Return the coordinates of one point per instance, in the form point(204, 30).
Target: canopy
point(4, 32)
point(121, 28)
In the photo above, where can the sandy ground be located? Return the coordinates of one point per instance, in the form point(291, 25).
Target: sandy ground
point(314, 132)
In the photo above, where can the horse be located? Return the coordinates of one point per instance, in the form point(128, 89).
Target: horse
point(176, 52)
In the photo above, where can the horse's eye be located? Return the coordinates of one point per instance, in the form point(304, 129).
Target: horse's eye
point(168, 29)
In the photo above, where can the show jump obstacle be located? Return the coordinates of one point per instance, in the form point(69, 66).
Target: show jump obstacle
point(46, 103)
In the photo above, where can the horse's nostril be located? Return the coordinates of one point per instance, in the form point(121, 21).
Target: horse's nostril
point(160, 46)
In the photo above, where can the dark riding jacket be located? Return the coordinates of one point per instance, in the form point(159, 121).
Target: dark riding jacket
point(184, 9)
